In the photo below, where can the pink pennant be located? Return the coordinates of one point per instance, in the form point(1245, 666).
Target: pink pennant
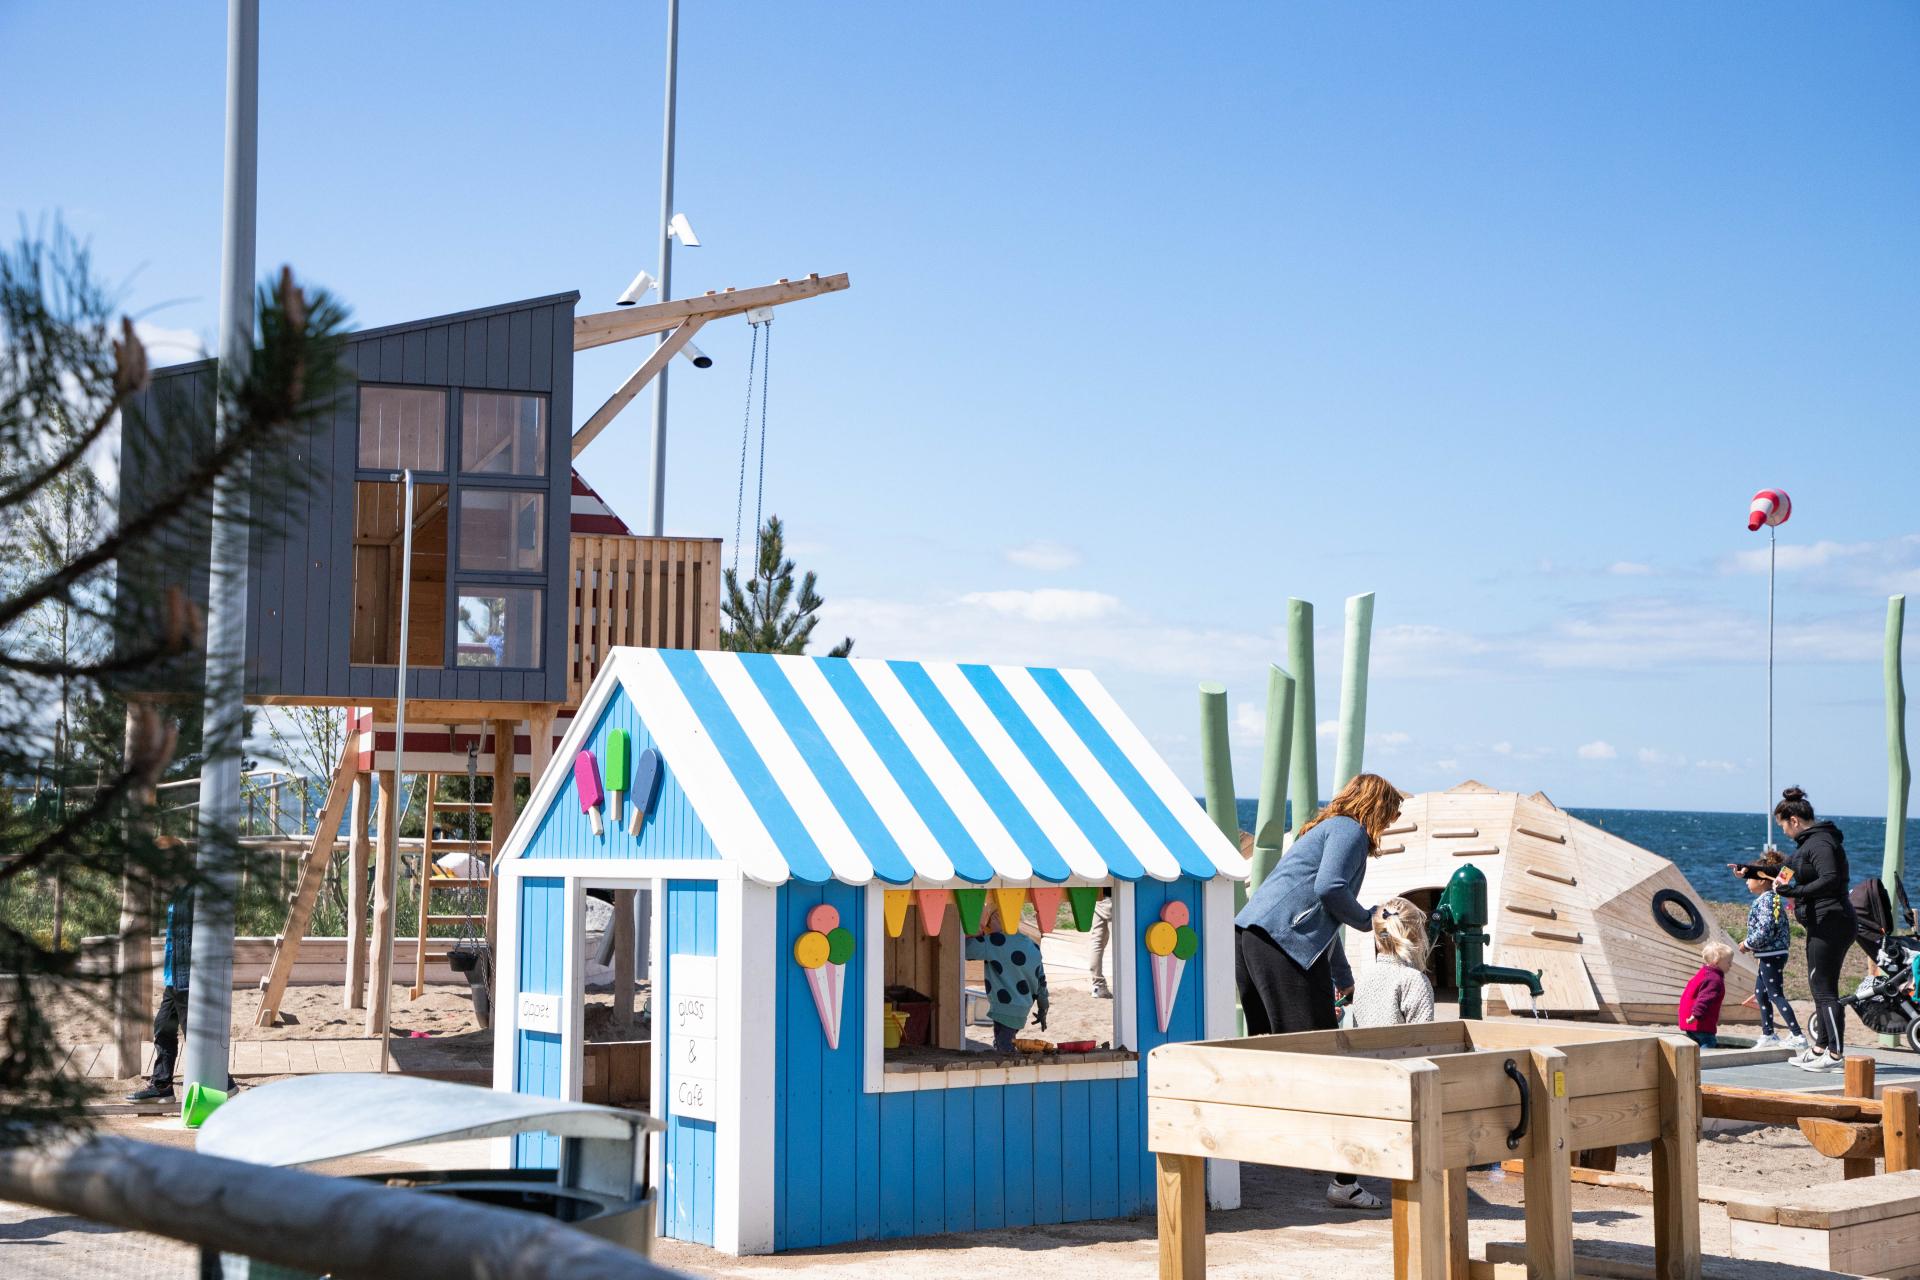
point(1046, 904)
point(933, 909)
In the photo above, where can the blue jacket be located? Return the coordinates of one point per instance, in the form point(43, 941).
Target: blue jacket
point(1768, 931)
point(176, 959)
point(1310, 892)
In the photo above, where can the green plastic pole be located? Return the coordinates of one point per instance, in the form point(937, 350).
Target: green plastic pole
point(1216, 761)
point(1270, 825)
point(1353, 690)
point(1304, 787)
point(1899, 774)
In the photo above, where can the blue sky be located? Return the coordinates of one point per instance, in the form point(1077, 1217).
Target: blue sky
point(1161, 315)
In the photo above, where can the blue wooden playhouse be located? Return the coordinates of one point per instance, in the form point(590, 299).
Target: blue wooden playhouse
point(810, 832)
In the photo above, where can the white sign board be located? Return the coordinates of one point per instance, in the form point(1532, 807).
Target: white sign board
point(693, 1028)
point(539, 1011)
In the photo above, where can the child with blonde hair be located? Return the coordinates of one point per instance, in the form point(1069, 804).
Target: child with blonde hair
point(1700, 1002)
point(1394, 988)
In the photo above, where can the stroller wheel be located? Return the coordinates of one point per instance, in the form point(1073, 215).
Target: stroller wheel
point(1913, 1035)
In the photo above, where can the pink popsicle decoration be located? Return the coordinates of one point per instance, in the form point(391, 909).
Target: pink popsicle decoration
point(586, 781)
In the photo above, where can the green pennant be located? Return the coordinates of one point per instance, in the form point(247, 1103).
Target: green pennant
point(1083, 900)
point(972, 904)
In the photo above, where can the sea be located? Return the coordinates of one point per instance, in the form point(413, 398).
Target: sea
point(1702, 844)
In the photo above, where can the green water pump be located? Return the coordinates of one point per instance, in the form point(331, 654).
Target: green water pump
point(1461, 916)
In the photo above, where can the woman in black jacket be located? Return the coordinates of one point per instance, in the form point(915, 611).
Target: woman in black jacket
point(1815, 880)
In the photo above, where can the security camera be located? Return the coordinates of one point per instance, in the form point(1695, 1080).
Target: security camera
point(682, 230)
point(701, 360)
point(642, 285)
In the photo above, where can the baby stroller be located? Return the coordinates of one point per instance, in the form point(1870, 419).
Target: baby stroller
point(1887, 1004)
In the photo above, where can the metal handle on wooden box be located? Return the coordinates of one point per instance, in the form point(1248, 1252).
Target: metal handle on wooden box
point(1519, 1131)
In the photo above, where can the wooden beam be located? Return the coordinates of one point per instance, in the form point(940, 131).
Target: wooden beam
point(505, 809)
point(386, 851)
point(1780, 1106)
point(602, 327)
point(356, 892)
point(632, 387)
point(1847, 1140)
point(1183, 1216)
point(1548, 1179)
point(1858, 1083)
point(313, 872)
point(1676, 1163)
point(133, 955)
point(426, 891)
point(1900, 1128)
point(1421, 1214)
point(623, 900)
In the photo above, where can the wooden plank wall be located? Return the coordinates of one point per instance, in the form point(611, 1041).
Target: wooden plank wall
point(851, 1165)
point(537, 1054)
point(687, 1151)
point(662, 593)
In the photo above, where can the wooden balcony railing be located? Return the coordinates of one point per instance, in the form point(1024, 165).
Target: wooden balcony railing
point(663, 593)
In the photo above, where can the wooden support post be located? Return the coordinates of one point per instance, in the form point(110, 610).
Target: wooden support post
point(1900, 1125)
point(1183, 1216)
point(133, 951)
point(540, 740)
point(1676, 1167)
point(623, 900)
point(1858, 1077)
point(1459, 1259)
point(386, 856)
point(313, 873)
point(1549, 1174)
point(424, 917)
point(1420, 1208)
point(356, 891)
point(505, 807)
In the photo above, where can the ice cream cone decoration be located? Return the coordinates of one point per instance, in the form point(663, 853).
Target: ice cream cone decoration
point(823, 951)
point(1171, 942)
point(586, 781)
point(619, 767)
point(1046, 905)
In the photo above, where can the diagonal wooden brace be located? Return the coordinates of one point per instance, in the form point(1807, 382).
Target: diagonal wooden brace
point(313, 872)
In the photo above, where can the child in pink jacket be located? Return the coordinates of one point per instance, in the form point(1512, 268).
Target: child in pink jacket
point(1700, 1002)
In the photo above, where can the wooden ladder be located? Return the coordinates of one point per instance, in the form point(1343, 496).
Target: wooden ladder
point(473, 922)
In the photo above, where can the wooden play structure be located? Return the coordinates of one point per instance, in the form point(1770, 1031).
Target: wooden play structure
point(816, 835)
point(1613, 930)
point(521, 584)
point(1419, 1104)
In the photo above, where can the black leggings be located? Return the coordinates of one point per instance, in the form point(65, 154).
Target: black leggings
point(1278, 996)
point(1828, 942)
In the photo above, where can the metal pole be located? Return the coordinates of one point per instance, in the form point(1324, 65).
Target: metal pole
point(1772, 544)
point(205, 1061)
point(658, 516)
point(383, 971)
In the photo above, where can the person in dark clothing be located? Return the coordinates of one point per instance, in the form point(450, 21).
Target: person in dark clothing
point(1873, 916)
point(1291, 924)
point(172, 1013)
point(1814, 879)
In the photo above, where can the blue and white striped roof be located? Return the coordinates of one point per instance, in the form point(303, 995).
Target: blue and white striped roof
point(926, 773)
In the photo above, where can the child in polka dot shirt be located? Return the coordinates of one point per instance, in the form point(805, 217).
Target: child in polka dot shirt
point(1016, 980)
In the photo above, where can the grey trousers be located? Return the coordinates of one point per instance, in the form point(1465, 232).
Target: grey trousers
point(1100, 934)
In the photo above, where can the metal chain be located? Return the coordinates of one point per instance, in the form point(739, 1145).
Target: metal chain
point(746, 427)
point(760, 490)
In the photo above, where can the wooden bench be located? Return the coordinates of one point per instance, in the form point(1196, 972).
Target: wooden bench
point(1856, 1127)
point(1866, 1226)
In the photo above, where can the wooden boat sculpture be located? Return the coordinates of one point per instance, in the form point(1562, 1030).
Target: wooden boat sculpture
point(1614, 930)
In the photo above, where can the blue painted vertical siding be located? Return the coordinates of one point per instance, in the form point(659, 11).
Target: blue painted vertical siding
point(687, 1153)
point(671, 831)
point(543, 937)
point(850, 1165)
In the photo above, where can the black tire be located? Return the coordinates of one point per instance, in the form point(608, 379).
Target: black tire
point(1913, 1035)
point(1692, 928)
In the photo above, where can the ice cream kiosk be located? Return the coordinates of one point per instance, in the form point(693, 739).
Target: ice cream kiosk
point(817, 838)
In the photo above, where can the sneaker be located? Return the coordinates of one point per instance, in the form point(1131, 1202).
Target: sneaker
point(1351, 1195)
point(1768, 1041)
point(1815, 1060)
point(1795, 1041)
point(152, 1093)
point(1101, 991)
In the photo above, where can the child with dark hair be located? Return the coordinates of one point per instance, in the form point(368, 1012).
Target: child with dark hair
point(1769, 937)
point(1016, 980)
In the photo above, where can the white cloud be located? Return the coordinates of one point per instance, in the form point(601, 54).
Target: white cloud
point(1629, 569)
point(1389, 742)
point(1049, 604)
point(1885, 565)
point(1717, 766)
point(169, 346)
point(1655, 758)
point(1250, 722)
point(1446, 766)
point(1327, 729)
point(1043, 556)
point(1597, 750)
point(1503, 748)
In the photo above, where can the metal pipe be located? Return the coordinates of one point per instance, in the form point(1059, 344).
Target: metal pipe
point(1270, 822)
point(1772, 545)
point(657, 517)
point(205, 1060)
point(390, 871)
point(1899, 771)
point(1353, 690)
point(1304, 788)
point(1216, 762)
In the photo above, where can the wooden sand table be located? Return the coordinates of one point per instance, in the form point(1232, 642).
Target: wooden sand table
point(1421, 1104)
